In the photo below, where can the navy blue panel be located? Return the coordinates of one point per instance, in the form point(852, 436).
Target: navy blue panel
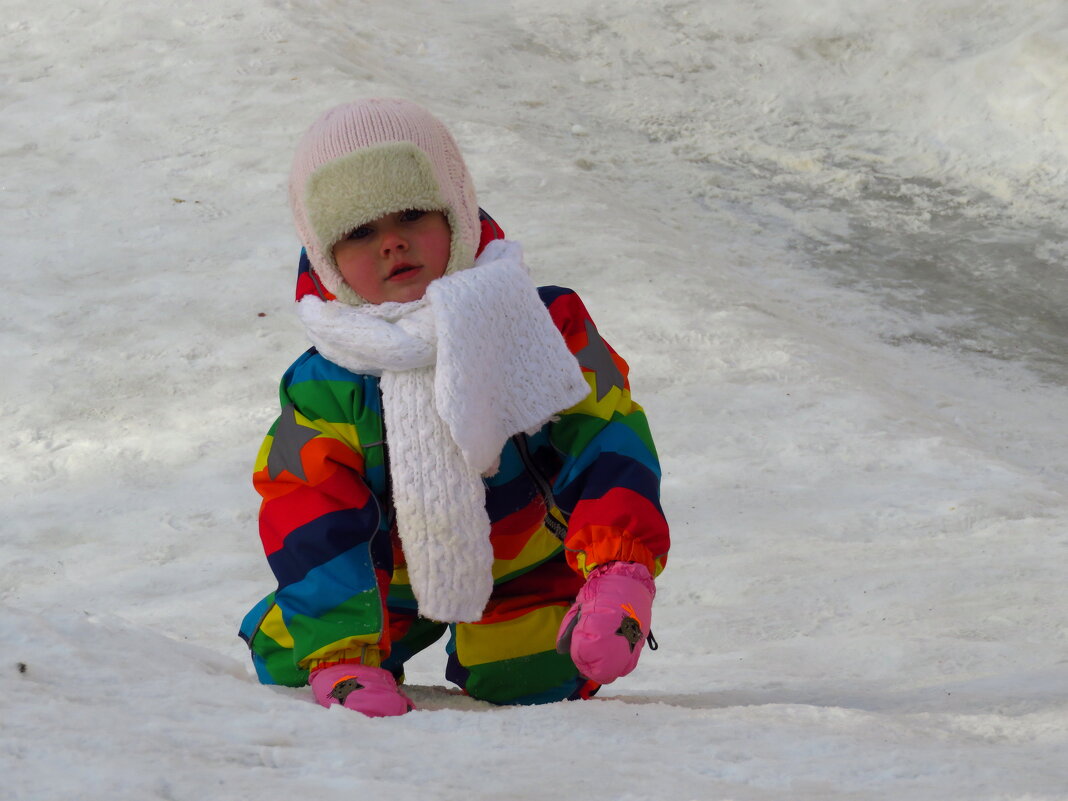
point(504, 499)
point(550, 293)
point(324, 538)
point(608, 471)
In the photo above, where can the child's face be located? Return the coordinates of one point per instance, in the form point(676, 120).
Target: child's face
point(393, 258)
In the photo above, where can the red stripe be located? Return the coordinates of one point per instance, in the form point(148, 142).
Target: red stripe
point(285, 513)
point(631, 514)
point(570, 315)
point(489, 230)
point(511, 533)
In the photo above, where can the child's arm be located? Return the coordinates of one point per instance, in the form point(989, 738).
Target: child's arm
point(318, 518)
point(609, 483)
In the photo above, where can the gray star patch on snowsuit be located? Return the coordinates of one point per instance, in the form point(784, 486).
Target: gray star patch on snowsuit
point(290, 437)
point(597, 357)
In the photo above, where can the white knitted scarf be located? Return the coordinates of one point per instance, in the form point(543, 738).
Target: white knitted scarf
point(474, 362)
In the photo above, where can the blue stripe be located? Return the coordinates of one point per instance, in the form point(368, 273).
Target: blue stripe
point(254, 617)
point(614, 437)
point(262, 673)
point(372, 398)
point(313, 366)
point(318, 542)
point(376, 478)
point(328, 585)
point(511, 466)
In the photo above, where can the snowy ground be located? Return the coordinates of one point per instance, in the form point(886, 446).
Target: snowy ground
point(831, 239)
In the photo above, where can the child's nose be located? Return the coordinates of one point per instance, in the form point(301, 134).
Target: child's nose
point(393, 242)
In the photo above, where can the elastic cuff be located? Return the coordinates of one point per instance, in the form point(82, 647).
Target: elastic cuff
point(606, 546)
point(364, 656)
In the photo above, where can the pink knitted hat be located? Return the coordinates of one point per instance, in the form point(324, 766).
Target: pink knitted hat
point(363, 160)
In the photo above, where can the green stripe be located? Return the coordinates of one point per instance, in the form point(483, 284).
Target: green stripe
point(573, 433)
point(502, 682)
point(278, 661)
point(334, 401)
point(637, 422)
point(358, 616)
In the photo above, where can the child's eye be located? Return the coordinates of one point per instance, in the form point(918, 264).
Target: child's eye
point(360, 233)
point(411, 215)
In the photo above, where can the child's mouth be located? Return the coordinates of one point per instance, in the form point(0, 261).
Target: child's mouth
point(401, 270)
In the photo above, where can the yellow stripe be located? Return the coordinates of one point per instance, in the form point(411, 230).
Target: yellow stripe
point(614, 400)
point(541, 545)
point(261, 457)
point(533, 633)
point(345, 432)
point(275, 627)
point(580, 561)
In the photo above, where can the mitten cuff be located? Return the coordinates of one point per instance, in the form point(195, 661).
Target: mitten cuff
point(633, 570)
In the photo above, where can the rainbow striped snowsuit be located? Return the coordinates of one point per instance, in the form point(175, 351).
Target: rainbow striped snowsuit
point(581, 491)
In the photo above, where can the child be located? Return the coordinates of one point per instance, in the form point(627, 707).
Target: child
point(459, 451)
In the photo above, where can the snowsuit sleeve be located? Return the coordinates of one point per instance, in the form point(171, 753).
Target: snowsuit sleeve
point(318, 517)
point(608, 486)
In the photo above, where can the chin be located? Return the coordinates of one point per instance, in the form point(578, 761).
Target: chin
point(409, 296)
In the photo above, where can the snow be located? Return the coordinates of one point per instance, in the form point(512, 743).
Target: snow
point(830, 239)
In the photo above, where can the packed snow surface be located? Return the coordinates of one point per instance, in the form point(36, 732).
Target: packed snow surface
point(829, 237)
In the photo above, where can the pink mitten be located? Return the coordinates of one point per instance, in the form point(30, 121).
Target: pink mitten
point(605, 629)
point(370, 690)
